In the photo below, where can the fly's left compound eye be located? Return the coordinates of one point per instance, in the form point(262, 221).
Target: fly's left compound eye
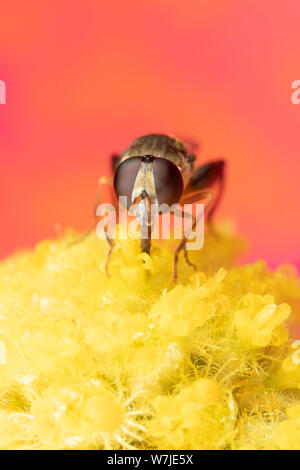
point(168, 181)
point(125, 177)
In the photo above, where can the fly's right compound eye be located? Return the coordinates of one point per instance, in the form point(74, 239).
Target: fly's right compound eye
point(168, 181)
point(125, 177)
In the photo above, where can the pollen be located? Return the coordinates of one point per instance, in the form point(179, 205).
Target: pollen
point(132, 361)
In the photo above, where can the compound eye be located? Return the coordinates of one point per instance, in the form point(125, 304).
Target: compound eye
point(125, 177)
point(168, 181)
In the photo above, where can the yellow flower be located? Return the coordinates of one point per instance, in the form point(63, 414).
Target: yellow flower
point(288, 374)
point(131, 361)
point(197, 417)
point(258, 319)
point(287, 433)
point(184, 308)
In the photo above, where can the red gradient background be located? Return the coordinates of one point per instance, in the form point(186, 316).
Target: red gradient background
point(85, 77)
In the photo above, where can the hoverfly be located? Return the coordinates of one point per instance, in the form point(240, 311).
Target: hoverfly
point(160, 169)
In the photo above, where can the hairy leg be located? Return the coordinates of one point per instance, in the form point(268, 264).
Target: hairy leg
point(207, 176)
point(196, 196)
point(103, 180)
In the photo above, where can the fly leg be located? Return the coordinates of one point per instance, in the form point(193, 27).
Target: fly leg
point(115, 160)
point(180, 212)
point(110, 241)
point(205, 177)
point(102, 181)
point(193, 197)
point(209, 175)
point(186, 256)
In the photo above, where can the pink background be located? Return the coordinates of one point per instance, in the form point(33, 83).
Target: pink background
point(86, 77)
